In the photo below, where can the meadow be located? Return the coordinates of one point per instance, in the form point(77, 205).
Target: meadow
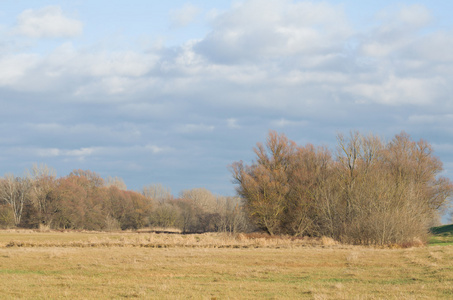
point(146, 265)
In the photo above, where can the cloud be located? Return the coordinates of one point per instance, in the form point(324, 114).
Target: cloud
point(233, 123)
point(255, 30)
point(69, 69)
point(296, 52)
point(47, 22)
point(400, 91)
point(193, 128)
point(289, 123)
point(295, 66)
point(184, 16)
point(406, 17)
point(432, 51)
point(105, 151)
point(156, 149)
point(81, 153)
point(397, 31)
point(14, 67)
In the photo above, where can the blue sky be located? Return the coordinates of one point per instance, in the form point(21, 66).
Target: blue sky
point(172, 92)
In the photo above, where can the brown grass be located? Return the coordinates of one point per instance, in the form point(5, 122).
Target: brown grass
point(151, 239)
point(89, 265)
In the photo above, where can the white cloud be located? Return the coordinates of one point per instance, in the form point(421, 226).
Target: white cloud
point(78, 153)
point(400, 90)
point(407, 16)
point(191, 128)
point(105, 151)
point(82, 152)
point(289, 123)
point(184, 16)
point(47, 22)
point(82, 73)
point(233, 123)
point(156, 149)
point(256, 30)
point(14, 67)
point(397, 31)
point(100, 63)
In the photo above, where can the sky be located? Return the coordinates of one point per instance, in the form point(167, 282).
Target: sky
point(173, 92)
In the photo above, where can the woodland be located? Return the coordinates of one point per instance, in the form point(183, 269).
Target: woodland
point(366, 191)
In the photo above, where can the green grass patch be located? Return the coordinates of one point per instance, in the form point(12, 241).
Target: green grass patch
point(442, 235)
point(435, 241)
point(38, 272)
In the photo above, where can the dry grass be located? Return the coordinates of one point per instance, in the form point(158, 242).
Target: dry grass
point(150, 239)
point(87, 265)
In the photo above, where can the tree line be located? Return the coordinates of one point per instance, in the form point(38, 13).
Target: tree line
point(84, 200)
point(367, 192)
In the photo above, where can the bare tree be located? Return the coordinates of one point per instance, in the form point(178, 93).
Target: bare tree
point(232, 215)
point(201, 198)
point(15, 191)
point(264, 185)
point(165, 215)
point(115, 181)
point(93, 180)
point(43, 183)
point(372, 193)
point(157, 192)
point(389, 193)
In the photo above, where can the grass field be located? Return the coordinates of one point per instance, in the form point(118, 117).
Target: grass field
point(86, 265)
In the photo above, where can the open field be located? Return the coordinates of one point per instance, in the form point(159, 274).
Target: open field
point(86, 265)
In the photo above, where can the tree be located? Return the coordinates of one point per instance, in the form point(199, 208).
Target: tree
point(165, 215)
point(78, 201)
point(15, 192)
point(138, 215)
point(308, 171)
point(188, 215)
point(92, 179)
point(43, 181)
point(69, 205)
point(115, 181)
point(371, 193)
point(198, 210)
point(231, 215)
point(201, 198)
point(157, 192)
point(265, 185)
